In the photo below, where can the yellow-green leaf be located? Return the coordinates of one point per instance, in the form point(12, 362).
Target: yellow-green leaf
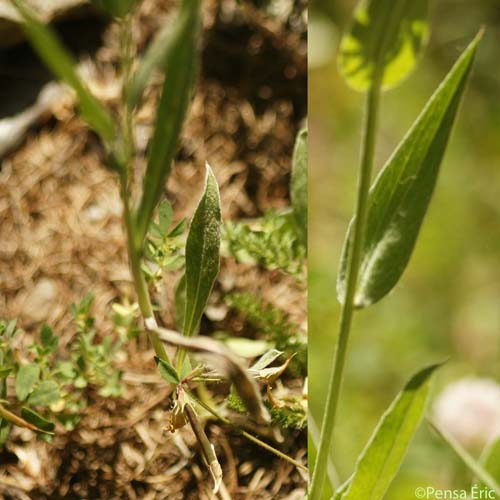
point(384, 43)
point(401, 194)
point(491, 459)
point(380, 460)
point(298, 185)
point(45, 394)
point(181, 62)
point(26, 378)
point(202, 254)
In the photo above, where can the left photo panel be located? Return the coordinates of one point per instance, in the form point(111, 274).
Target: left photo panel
point(153, 256)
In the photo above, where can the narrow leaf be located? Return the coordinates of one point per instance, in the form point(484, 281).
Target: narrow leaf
point(202, 254)
point(265, 360)
point(5, 427)
point(385, 42)
point(41, 423)
point(181, 62)
point(180, 302)
point(470, 462)
point(12, 418)
point(156, 57)
point(401, 194)
point(298, 186)
point(26, 378)
point(491, 460)
point(382, 457)
point(61, 63)
point(45, 394)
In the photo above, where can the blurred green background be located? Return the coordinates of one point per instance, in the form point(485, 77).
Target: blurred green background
point(448, 302)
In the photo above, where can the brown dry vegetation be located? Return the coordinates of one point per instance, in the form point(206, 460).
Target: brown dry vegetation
point(61, 237)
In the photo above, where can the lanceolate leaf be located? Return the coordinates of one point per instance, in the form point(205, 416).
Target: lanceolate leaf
point(202, 254)
point(180, 302)
point(385, 42)
point(298, 187)
point(156, 57)
point(7, 417)
point(382, 457)
point(400, 196)
point(61, 63)
point(181, 66)
point(34, 418)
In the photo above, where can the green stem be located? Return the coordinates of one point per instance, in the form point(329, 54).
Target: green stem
point(348, 307)
point(140, 285)
point(134, 247)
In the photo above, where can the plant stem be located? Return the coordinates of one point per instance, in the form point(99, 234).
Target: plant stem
point(336, 376)
point(125, 158)
point(140, 285)
point(249, 436)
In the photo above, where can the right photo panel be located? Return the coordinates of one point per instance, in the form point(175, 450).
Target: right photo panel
point(404, 249)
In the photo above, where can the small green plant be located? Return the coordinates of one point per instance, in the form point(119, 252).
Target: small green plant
point(274, 324)
point(157, 246)
point(49, 388)
point(381, 48)
point(278, 240)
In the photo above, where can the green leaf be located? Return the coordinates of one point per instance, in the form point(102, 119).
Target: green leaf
point(45, 394)
point(264, 361)
point(247, 348)
point(37, 420)
point(380, 460)
point(11, 329)
point(401, 194)
point(469, 461)
point(5, 427)
point(117, 8)
point(62, 64)
point(384, 43)
point(167, 371)
point(202, 254)
point(156, 57)
point(178, 229)
point(181, 62)
point(26, 378)
point(491, 459)
point(180, 302)
point(165, 215)
point(298, 186)
point(49, 340)
point(5, 372)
